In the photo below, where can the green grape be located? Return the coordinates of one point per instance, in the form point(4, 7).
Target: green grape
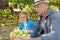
point(17, 32)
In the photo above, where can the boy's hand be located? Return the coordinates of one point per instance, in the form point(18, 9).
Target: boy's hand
point(11, 37)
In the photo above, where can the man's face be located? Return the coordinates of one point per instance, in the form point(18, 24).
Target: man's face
point(41, 8)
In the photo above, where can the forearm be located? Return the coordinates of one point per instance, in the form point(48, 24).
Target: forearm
point(50, 36)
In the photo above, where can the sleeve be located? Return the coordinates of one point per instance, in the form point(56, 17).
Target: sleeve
point(38, 27)
point(54, 34)
point(36, 33)
point(32, 24)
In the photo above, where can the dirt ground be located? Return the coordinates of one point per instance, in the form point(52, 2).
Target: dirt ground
point(5, 31)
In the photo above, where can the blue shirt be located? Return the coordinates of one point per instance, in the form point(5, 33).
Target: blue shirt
point(30, 25)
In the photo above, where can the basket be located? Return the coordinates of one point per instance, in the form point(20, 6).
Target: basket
point(18, 38)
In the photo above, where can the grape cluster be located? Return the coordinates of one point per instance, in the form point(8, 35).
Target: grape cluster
point(22, 33)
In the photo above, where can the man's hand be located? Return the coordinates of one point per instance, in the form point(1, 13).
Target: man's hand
point(30, 31)
point(36, 38)
point(29, 38)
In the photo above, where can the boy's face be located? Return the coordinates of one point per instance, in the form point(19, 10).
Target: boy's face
point(23, 18)
point(40, 8)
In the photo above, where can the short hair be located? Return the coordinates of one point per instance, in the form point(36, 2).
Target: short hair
point(23, 13)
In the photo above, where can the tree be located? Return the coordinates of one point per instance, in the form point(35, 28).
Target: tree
point(55, 2)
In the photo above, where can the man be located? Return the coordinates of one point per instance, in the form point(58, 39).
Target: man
point(49, 21)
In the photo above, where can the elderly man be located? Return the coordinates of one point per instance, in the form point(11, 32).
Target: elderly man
point(48, 20)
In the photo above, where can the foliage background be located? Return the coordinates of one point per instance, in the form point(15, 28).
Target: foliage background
point(8, 22)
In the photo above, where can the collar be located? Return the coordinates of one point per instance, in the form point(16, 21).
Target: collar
point(49, 12)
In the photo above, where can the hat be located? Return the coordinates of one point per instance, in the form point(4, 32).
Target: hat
point(40, 1)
